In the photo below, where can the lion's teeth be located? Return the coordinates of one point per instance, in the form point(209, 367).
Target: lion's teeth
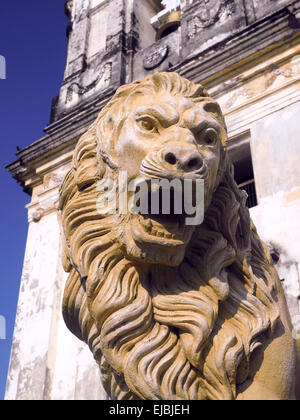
point(156, 229)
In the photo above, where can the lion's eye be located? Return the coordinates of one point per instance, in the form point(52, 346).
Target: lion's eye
point(147, 124)
point(210, 136)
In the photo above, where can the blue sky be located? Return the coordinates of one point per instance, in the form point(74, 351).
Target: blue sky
point(33, 42)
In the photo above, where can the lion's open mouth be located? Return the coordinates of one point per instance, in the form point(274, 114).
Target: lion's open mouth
point(160, 230)
point(160, 225)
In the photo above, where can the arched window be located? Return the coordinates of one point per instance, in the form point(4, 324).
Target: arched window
point(168, 18)
point(156, 19)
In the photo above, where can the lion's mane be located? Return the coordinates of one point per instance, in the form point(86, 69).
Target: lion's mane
point(185, 332)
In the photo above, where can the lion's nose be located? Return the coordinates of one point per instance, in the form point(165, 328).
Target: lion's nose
point(186, 160)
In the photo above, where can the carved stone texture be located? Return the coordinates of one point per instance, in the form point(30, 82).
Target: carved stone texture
point(99, 83)
point(263, 7)
point(169, 310)
point(155, 56)
point(209, 15)
point(210, 21)
point(160, 56)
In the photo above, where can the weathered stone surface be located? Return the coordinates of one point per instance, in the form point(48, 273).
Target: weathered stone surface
point(208, 22)
point(171, 311)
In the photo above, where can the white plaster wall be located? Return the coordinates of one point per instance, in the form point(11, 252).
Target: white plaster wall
point(275, 148)
point(75, 372)
point(28, 365)
point(278, 224)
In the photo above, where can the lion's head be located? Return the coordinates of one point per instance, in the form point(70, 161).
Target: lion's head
point(168, 310)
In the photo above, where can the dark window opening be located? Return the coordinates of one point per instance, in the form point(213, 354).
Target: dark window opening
point(240, 155)
point(249, 187)
point(167, 17)
point(169, 29)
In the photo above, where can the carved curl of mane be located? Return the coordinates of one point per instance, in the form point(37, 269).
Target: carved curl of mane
point(188, 338)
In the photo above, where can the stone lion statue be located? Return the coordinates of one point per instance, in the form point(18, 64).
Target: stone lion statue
point(171, 311)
